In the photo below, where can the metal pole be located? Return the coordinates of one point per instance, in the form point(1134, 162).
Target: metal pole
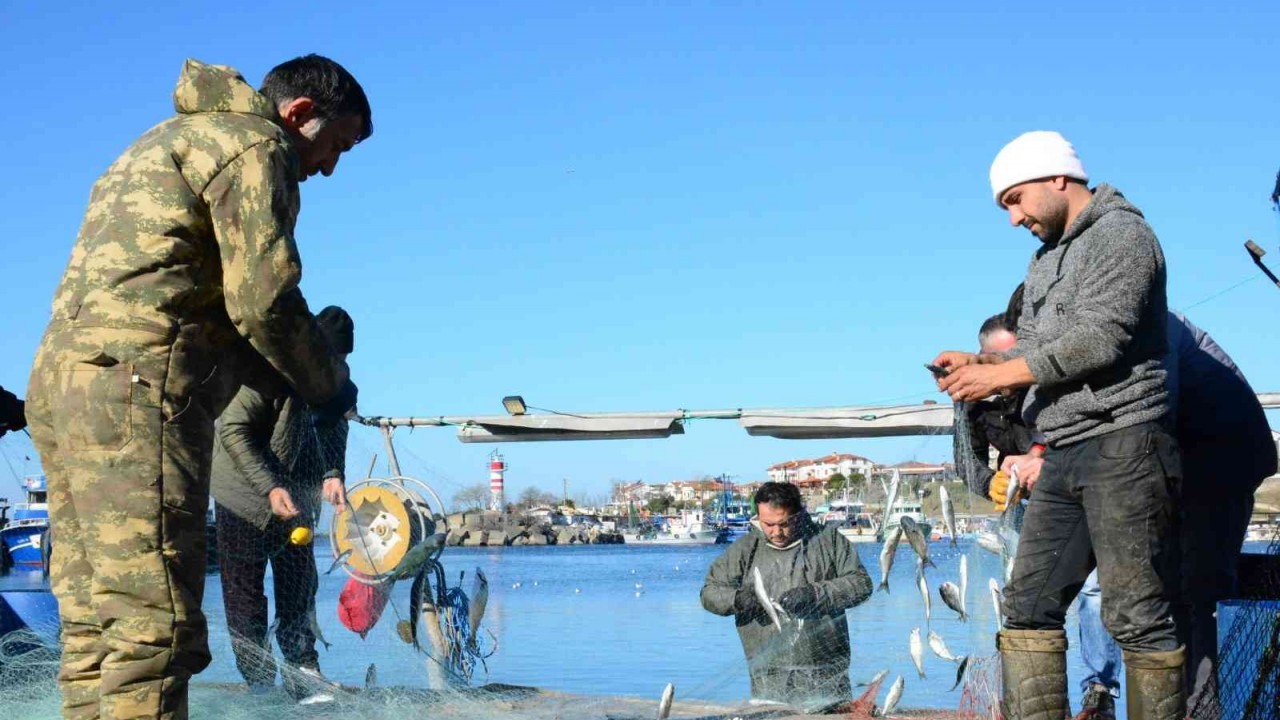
point(392, 461)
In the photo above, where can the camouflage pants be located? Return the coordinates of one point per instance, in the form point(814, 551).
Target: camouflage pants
point(128, 477)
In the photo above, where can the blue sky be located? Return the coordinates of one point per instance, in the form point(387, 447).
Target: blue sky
point(644, 206)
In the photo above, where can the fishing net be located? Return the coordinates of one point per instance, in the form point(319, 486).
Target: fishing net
point(382, 570)
point(1248, 677)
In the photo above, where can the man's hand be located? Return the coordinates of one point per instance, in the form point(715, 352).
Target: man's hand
point(973, 382)
point(745, 602)
point(282, 504)
point(335, 493)
point(1028, 468)
point(998, 490)
point(800, 601)
point(952, 359)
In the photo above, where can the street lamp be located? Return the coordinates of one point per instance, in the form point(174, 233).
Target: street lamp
point(514, 405)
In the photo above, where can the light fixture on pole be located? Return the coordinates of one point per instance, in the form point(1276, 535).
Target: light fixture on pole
point(514, 405)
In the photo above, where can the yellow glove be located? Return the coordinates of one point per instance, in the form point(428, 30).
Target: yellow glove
point(998, 490)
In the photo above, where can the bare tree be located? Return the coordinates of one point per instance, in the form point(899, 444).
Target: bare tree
point(472, 497)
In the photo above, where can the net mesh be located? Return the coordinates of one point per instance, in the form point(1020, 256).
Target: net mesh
point(1248, 678)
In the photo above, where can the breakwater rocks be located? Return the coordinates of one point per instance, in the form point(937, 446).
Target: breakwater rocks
point(493, 529)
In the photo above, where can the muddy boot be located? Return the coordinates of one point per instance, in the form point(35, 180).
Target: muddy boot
point(1034, 671)
point(1154, 687)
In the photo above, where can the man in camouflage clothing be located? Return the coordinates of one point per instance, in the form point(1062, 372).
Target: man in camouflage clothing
point(182, 285)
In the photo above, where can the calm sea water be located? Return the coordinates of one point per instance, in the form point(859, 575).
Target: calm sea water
point(577, 623)
point(572, 620)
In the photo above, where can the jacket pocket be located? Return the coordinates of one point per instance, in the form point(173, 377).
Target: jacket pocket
point(95, 405)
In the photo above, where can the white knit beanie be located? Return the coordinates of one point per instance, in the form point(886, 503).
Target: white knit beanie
point(1034, 156)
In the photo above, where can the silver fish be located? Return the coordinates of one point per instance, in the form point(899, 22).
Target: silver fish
point(408, 628)
point(664, 704)
point(890, 498)
point(371, 677)
point(878, 678)
point(315, 627)
point(762, 595)
point(924, 592)
point(939, 647)
point(990, 542)
point(887, 554)
point(271, 631)
point(964, 582)
point(895, 694)
point(951, 596)
point(339, 560)
point(917, 651)
point(915, 536)
point(417, 557)
point(995, 602)
point(478, 602)
point(964, 665)
point(948, 513)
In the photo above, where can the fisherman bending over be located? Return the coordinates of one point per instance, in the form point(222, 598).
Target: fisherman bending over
point(181, 286)
point(813, 575)
point(12, 416)
point(274, 460)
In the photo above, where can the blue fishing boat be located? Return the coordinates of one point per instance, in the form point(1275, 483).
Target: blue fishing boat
point(26, 602)
point(23, 525)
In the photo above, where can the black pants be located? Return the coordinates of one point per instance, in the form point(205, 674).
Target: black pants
point(1109, 502)
point(243, 553)
point(1217, 501)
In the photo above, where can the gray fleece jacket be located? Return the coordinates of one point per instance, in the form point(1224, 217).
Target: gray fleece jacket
point(1093, 326)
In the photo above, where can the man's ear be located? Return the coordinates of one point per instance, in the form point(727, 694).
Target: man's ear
point(297, 112)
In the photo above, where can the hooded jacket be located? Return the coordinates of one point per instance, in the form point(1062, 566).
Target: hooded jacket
point(185, 273)
point(1093, 325)
point(813, 670)
point(268, 442)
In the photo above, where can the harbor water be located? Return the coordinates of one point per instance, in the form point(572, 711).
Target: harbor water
point(613, 620)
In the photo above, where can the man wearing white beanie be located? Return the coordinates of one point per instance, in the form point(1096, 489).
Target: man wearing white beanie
point(1091, 338)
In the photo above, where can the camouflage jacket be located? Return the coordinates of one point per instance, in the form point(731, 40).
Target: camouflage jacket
point(266, 442)
point(187, 250)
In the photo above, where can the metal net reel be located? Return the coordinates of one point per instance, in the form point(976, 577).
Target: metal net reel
point(385, 517)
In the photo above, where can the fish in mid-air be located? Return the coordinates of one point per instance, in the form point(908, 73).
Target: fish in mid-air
point(895, 694)
point(337, 562)
point(951, 596)
point(917, 651)
point(664, 703)
point(948, 513)
point(915, 536)
point(887, 554)
point(939, 647)
point(924, 592)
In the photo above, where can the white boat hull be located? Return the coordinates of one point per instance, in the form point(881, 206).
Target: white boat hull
point(678, 537)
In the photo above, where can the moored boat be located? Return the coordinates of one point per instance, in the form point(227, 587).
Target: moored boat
point(23, 525)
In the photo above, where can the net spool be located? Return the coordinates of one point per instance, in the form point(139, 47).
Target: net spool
point(385, 517)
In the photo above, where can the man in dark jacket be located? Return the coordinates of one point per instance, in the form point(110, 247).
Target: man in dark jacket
point(810, 574)
point(274, 460)
point(993, 422)
point(1092, 338)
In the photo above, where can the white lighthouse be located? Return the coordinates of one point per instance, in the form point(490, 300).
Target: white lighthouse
point(497, 468)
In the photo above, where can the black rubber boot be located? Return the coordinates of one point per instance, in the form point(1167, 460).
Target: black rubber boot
point(1154, 687)
point(1034, 672)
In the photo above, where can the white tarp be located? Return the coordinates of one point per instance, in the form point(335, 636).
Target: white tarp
point(849, 422)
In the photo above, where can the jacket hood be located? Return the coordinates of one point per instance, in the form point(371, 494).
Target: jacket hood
point(1106, 199)
point(206, 88)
